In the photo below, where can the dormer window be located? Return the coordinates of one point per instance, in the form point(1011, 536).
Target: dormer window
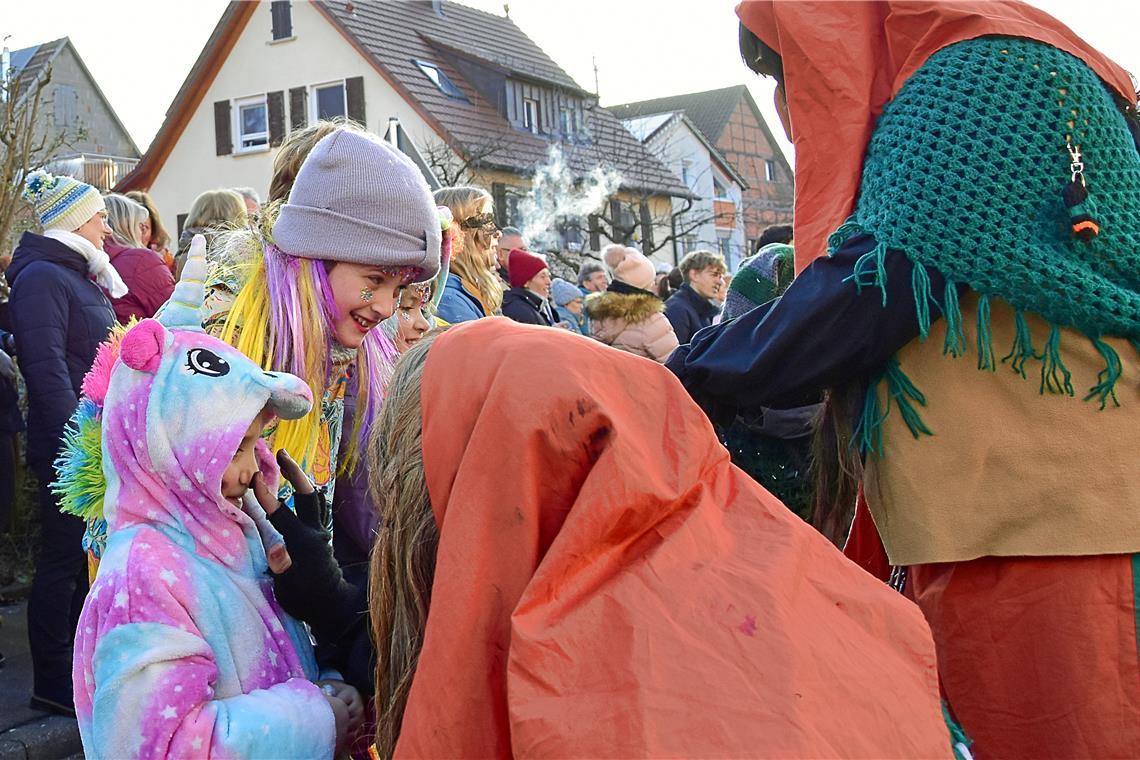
point(566, 119)
point(281, 12)
point(530, 115)
point(440, 80)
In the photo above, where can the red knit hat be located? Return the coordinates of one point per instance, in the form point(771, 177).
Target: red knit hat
point(522, 266)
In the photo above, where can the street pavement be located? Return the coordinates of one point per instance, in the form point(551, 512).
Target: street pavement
point(27, 734)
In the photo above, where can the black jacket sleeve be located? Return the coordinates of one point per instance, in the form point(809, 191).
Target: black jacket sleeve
point(40, 313)
point(315, 589)
point(822, 332)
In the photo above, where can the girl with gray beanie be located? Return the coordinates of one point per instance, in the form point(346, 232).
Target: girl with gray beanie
point(322, 272)
point(304, 292)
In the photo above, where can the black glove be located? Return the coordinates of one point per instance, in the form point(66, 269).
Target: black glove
point(313, 588)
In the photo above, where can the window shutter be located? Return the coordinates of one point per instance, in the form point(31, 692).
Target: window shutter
point(646, 229)
point(275, 101)
point(354, 98)
point(499, 199)
point(298, 108)
point(222, 139)
point(282, 15)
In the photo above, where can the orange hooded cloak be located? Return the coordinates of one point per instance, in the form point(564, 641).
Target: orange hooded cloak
point(843, 61)
point(608, 584)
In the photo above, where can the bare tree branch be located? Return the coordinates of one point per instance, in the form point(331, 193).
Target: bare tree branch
point(28, 140)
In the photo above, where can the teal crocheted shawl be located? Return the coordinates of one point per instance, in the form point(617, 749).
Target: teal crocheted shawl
point(964, 173)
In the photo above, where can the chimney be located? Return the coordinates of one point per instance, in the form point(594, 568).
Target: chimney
point(437, 6)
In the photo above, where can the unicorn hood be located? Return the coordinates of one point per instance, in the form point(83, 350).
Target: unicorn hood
point(181, 649)
point(176, 407)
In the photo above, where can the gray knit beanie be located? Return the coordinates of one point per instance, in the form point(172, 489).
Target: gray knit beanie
point(359, 200)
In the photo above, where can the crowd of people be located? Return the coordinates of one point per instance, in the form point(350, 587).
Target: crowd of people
point(350, 472)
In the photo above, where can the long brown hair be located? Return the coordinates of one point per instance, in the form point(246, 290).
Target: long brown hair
point(403, 559)
point(475, 260)
point(837, 461)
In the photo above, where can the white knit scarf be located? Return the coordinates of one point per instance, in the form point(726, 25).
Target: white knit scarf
point(98, 262)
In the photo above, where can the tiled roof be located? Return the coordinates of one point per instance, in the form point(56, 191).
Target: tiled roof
point(709, 111)
point(32, 62)
point(395, 34)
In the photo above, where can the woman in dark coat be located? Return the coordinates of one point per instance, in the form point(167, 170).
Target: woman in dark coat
point(59, 317)
point(526, 301)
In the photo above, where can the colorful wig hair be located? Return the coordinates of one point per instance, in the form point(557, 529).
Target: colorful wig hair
point(282, 318)
point(473, 258)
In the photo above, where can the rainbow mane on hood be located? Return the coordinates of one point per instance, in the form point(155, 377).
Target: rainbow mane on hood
point(80, 482)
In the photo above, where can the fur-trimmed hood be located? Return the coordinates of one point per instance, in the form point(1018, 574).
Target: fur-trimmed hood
point(631, 308)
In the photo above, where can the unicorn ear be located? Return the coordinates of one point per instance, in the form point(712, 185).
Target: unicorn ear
point(141, 348)
point(182, 310)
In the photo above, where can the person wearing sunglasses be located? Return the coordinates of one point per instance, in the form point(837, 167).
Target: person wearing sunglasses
point(475, 290)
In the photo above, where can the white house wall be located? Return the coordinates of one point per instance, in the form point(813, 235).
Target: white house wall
point(317, 54)
point(674, 145)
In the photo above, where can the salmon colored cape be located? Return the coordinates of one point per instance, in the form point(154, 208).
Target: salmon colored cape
point(608, 584)
point(843, 61)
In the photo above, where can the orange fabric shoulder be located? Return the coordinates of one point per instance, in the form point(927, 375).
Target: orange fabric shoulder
point(844, 60)
point(608, 584)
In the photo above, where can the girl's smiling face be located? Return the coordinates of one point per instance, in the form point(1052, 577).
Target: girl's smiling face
point(365, 296)
point(411, 322)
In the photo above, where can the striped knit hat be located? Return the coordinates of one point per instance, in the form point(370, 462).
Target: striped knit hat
point(61, 203)
point(760, 279)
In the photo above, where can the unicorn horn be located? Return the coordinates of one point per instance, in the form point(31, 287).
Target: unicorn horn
point(183, 308)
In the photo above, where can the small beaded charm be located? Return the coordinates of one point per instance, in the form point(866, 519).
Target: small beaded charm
point(1082, 209)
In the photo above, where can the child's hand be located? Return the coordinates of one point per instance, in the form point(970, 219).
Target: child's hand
point(351, 698)
point(340, 717)
point(277, 554)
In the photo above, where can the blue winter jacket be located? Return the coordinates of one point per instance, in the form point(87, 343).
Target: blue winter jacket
point(688, 312)
point(59, 317)
point(579, 323)
point(457, 305)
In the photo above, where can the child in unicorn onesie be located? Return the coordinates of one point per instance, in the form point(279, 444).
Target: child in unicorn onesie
point(182, 650)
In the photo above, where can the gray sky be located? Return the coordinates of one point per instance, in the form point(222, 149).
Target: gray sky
point(140, 51)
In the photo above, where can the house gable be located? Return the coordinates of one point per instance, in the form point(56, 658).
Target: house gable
point(730, 119)
point(748, 144)
point(104, 133)
point(713, 220)
point(277, 82)
point(73, 101)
